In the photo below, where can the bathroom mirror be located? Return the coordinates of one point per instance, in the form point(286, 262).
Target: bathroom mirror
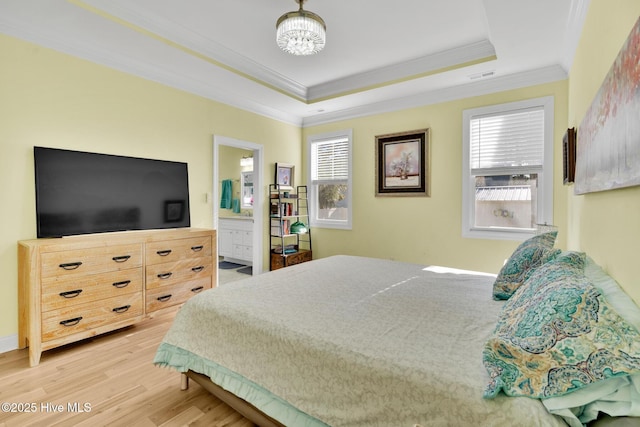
point(246, 186)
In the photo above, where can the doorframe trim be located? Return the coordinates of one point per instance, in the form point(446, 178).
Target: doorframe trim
point(258, 195)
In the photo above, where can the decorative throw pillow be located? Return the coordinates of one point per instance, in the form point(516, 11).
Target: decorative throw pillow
point(565, 267)
point(562, 267)
point(557, 334)
point(530, 254)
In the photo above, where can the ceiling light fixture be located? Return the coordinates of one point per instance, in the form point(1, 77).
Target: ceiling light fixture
point(301, 32)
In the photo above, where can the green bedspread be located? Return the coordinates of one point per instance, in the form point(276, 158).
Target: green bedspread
point(351, 341)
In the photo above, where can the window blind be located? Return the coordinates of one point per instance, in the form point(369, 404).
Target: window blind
point(507, 141)
point(330, 160)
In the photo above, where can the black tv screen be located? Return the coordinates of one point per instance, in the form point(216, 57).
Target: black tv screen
point(83, 193)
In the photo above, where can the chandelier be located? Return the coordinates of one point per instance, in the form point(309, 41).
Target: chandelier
point(301, 32)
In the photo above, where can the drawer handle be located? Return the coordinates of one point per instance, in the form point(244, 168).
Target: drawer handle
point(164, 276)
point(198, 269)
point(71, 294)
point(197, 289)
point(197, 248)
point(122, 284)
point(164, 252)
point(122, 258)
point(121, 309)
point(71, 322)
point(164, 298)
point(70, 265)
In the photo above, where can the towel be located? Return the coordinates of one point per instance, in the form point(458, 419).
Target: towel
point(225, 199)
point(236, 205)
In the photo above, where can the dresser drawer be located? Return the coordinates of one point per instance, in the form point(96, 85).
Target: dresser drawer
point(175, 250)
point(82, 317)
point(167, 296)
point(63, 292)
point(180, 271)
point(91, 260)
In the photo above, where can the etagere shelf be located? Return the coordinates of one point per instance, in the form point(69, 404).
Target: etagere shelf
point(289, 231)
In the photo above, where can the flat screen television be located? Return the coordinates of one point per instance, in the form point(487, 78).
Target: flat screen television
point(83, 193)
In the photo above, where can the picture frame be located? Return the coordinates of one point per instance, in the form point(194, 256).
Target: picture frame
point(608, 140)
point(285, 175)
point(569, 156)
point(403, 164)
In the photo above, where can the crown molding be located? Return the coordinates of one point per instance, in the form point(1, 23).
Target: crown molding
point(483, 87)
point(191, 42)
point(448, 59)
point(207, 49)
point(133, 66)
point(159, 74)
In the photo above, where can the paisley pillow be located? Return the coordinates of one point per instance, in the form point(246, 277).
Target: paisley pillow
point(530, 254)
point(557, 334)
point(563, 267)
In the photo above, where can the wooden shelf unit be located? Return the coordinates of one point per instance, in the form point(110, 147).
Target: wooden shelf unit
point(77, 287)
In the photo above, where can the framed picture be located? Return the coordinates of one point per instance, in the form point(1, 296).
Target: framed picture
point(608, 140)
point(284, 176)
point(569, 156)
point(402, 164)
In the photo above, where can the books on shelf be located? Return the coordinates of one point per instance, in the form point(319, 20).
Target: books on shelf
point(279, 196)
point(283, 210)
point(286, 209)
point(280, 227)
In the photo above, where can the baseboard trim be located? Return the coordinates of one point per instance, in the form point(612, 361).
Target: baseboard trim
point(8, 343)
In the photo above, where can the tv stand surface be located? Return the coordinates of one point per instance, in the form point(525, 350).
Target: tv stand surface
point(75, 288)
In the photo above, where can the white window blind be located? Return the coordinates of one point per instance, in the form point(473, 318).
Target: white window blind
point(329, 178)
point(507, 168)
point(504, 142)
point(330, 160)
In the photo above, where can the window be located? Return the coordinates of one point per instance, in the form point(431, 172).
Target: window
point(330, 180)
point(507, 185)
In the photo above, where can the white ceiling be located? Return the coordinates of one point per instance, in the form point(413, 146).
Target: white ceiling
point(380, 55)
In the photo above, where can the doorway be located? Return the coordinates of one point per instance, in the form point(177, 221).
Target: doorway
point(243, 213)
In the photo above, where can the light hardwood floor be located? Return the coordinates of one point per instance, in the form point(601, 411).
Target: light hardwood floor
point(114, 375)
point(231, 275)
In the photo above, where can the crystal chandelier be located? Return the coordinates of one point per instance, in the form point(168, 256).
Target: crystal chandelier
point(301, 32)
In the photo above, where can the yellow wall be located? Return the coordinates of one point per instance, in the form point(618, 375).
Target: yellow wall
point(605, 225)
point(428, 230)
point(51, 99)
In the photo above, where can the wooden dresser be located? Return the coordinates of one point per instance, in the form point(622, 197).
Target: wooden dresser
point(77, 287)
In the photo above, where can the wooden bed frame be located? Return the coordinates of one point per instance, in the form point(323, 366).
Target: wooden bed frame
point(241, 406)
point(254, 415)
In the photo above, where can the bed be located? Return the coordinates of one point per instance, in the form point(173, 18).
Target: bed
point(354, 341)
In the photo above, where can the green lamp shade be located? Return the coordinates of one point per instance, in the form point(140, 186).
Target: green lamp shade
point(298, 227)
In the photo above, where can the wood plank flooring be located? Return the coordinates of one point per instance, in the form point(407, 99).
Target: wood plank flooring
point(112, 379)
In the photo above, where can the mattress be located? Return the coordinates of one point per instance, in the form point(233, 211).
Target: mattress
point(351, 341)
